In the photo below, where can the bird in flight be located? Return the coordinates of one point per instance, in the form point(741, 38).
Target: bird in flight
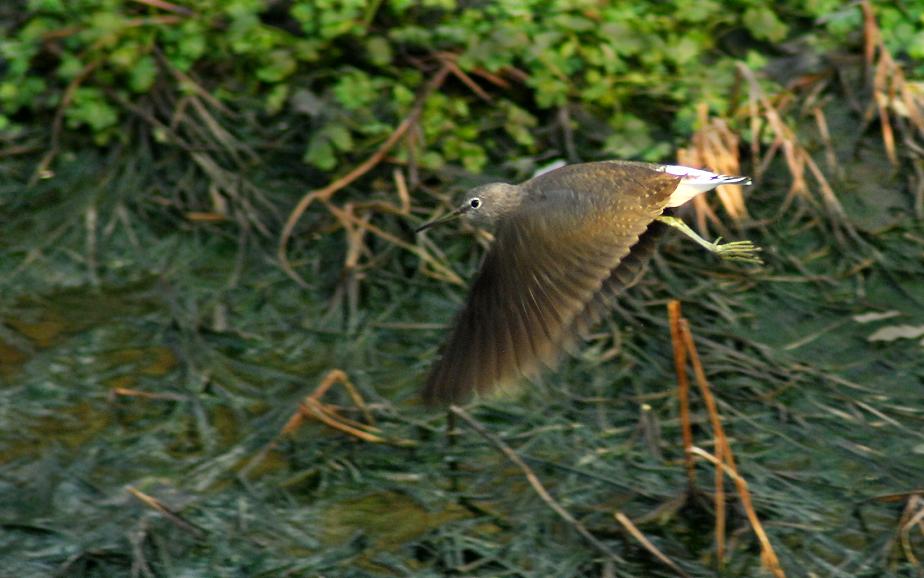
point(566, 242)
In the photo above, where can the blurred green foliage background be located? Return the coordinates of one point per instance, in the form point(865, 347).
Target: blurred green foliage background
point(152, 344)
point(630, 72)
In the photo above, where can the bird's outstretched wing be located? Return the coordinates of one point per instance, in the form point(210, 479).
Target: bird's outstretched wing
point(547, 274)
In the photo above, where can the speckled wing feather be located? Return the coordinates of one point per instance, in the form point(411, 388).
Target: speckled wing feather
point(622, 277)
point(545, 276)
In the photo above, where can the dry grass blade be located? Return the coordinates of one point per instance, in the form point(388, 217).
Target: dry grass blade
point(637, 534)
point(225, 182)
point(677, 324)
point(129, 392)
point(329, 417)
point(157, 505)
point(534, 482)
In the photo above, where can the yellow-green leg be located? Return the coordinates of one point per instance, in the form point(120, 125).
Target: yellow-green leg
point(744, 251)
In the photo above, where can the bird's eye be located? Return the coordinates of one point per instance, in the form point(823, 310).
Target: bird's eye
point(475, 203)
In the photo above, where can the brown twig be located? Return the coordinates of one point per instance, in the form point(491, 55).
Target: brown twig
point(449, 59)
point(727, 462)
point(719, 501)
point(535, 483)
point(325, 193)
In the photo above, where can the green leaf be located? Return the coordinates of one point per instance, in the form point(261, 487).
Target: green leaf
point(763, 24)
point(356, 90)
point(630, 139)
point(277, 97)
point(916, 46)
point(379, 51)
point(277, 66)
point(432, 160)
point(89, 107)
point(320, 153)
point(339, 135)
point(143, 74)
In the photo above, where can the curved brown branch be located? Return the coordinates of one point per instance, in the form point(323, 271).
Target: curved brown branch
point(325, 193)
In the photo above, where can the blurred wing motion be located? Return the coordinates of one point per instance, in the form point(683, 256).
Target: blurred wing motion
point(550, 273)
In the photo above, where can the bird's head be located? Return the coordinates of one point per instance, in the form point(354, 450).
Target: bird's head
point(483, 205)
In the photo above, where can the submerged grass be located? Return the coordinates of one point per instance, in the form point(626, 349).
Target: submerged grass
point(173, 386)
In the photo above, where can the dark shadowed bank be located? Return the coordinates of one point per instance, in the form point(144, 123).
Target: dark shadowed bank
point(206, 214)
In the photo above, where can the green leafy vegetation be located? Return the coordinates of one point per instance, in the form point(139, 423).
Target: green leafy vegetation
point(362, 60)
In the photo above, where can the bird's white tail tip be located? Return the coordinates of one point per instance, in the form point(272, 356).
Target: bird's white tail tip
point(697, 181)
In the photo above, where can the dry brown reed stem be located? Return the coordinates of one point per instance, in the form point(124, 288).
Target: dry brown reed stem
point(725, 458)
point(313, 408)
point(719, 501)
point(715, 147)
point(897, 103)
point(683, 387)
point(644, 541)
point(683, 390)
point(449, 59)
point(884, 91)
point(535, 483)
point(324, 194)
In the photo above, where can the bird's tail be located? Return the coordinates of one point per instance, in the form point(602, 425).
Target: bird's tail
point(696, 181)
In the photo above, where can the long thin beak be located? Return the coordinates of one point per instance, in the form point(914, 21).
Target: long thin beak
point(444, 219)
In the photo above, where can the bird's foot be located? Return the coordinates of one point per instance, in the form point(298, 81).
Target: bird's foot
point(741, 251)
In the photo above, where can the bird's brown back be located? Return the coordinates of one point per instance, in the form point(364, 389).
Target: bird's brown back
point(547, 276)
